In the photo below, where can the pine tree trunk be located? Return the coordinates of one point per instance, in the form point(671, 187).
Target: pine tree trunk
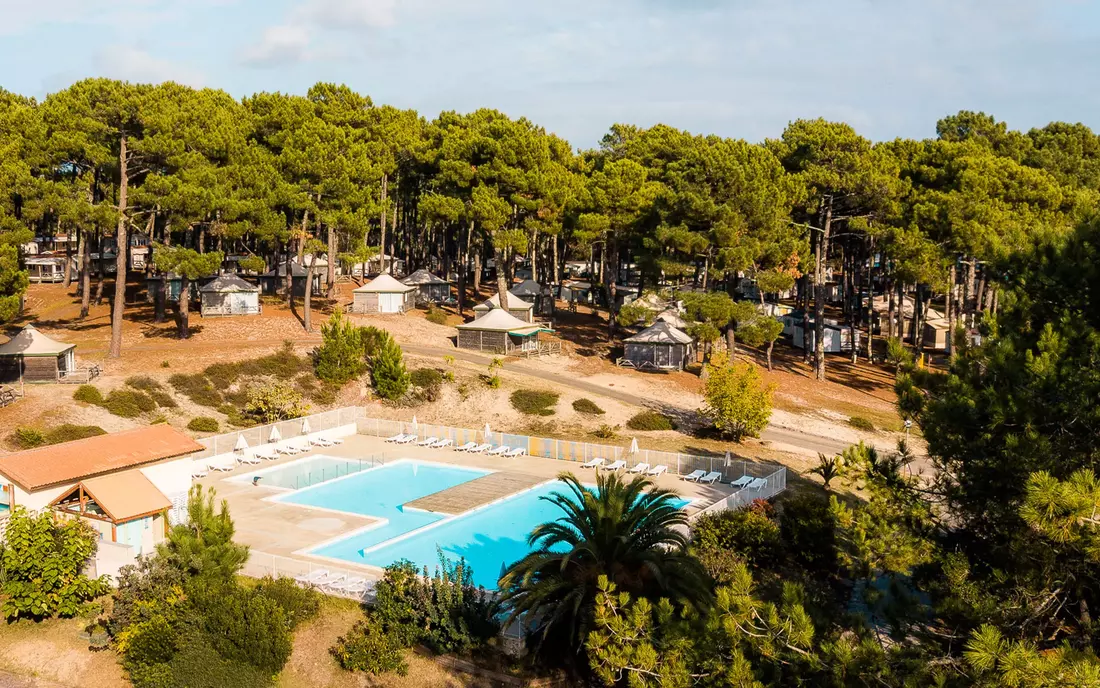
point(382, 226)
point(965, 309)
point(158, 300)
point(771, 345)
point(184, 306)
point(331, 274)
point(610, 267)
point(950, 308)
point(306, 320)
point(890, 308)
point(502, 283)
point(68, 257)
point(463, 266)
point(819, 293)
point(393, 225)
point(555, 276)
point(122, 243)
point(534, 257)
point(85, 275)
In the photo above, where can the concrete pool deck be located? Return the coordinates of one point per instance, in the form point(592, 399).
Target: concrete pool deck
point(278, 532)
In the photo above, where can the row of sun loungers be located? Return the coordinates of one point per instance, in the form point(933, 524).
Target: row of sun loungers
point(639, 468)
point(337, 584)
point(271, 452)
point(469, 447)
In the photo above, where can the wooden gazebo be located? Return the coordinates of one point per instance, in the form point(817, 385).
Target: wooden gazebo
point(34, 357)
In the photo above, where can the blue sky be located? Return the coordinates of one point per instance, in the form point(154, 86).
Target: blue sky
point(741, 68)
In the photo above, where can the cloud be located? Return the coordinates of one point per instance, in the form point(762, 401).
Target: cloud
point(279, 45)
point(128, 63)
point(297, 39)
point(348, 14)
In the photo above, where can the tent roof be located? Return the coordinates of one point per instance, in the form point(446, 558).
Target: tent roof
point(499, 320)
point(514, 303)
point(384, 284)
point(670, 316)
point(422, 276)
point(229, 283)
point(660, 332)
point(124, 496)
point(295, 271)
point(30, 342)
point(526, 288)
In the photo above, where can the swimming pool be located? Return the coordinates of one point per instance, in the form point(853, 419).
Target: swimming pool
point(489, 538)
point(382, 492)
point(300, 473)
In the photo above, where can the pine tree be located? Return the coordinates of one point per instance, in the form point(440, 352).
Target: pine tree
point(340, 357)
point(738, 403)
point(388, 373)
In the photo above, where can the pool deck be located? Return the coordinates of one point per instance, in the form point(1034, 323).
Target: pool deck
point(277, 533)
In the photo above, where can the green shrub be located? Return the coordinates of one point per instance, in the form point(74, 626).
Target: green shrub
point(650, 420)
point(809, 530)
point(751, 534)
point(165, 364)
point(129, 403)
point(606, 432)
point(248, 627)
point(222, 375)
point(340, 358)
point(163, 399)
point(143, 382)
point(198, 664)
point(89, 394)
point(534, 402)
point(436, 315)
point(325, 394)
point(68, 432)
point(493, 381)
point(298, 603)
point(587, 407)
point(196, 388)
point(694, 368)
point(274, 402)
point(388, 373)
point(428, 380)
point(861, 423)
point(27, 438)
point(283, 364)
point(203, 424)
point(370, 649)
point(372, 339)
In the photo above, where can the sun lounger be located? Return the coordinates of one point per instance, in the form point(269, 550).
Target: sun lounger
point(742, 481)
point(407, 439)
point(466, 447)
point(502, 449)
point(331, 440)
point(615, 465)
point(287, 448)
point(756, 484)
point(248, 459)
point(200, 470)
point(352, 586)
point(516, 452)
point(445, 442)
point(398, 436)
point(640, 468)
point(694, 475)
point(319, 441)
point(264, 453)
point(479, 448)
point(711, 478)
point(333, 581)
point(225, 466)
point(427, 440)
point(594, 463)
point(657, 470)
point(301, 444)
point(312, 578)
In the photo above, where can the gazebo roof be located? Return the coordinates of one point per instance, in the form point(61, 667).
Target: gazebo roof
point(660, 332)
point(514, 303)
point(30, 343)
point(121, 496)
point(421, 277)
point(280, 271)
point(499, 320)
point(384, 284)
point(526, 288)
point(229, 283)
point(670, 316)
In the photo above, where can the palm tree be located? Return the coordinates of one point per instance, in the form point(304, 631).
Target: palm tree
point(629, 531)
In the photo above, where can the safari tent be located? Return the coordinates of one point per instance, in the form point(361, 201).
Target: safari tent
point(383, 294)
point(659, 346)
point(229, 295)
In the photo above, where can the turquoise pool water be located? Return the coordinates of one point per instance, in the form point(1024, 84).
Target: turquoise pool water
point(305, 472)
point(382, 492)
point(489, 539)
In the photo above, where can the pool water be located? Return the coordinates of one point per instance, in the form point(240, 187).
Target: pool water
point(489, 539)
point(302, 473)
point(382, 492)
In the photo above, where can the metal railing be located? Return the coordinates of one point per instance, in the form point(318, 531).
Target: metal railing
point(261, 564)
point(217, 445)
point(334, 470)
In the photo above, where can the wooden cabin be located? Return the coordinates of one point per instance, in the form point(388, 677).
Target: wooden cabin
point(273, 282)
point(229, 295)
point(499, 332)
point(530, 290)
point(34, 357)
point(517, 307)
point(658, 347)
point(937, 336)
point(383, 294)
point(430, 288)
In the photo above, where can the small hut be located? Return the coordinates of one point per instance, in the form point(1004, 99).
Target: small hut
point(35, 357)
point(659, 346)
point(937, 335)
point(499, 332)
point(229, 295)
point(273, 282)
point(530, 290)
point(672, 317)
point(517, 307)
point(46, 269)
point(430, 289)
point(383, 294)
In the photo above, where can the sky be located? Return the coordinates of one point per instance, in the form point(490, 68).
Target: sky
point(737, 68)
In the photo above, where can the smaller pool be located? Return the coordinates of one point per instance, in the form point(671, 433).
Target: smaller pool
point(305, 472)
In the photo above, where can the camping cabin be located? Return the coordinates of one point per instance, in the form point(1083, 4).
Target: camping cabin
point(937, 336)
point(658, 347)
point(34, 357)
point(229, 295)
point(383, 294)
point(46, 269)
point(517, 307)
point(530, 290)
point(499, 332)
point(837, 339)
point(124, 485)
point(429, 288)
point(273, 282)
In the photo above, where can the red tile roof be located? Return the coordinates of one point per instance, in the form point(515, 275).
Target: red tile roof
point(71, 462)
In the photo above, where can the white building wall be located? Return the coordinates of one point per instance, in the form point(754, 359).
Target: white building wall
point(173, 478)
point(34, 500)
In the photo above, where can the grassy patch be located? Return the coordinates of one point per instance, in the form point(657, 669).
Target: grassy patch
point(606, 432)
point(143, 383)
point(89, 394)
point(196, 388)
point(534, 402)
point(29, 438)
point(650, 421)
point(861, 423)
point(203, 424)
point(436, 315)
point(126, 403)
point(587, 407)
point(163, 399)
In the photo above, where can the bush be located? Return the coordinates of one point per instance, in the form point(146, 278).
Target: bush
point(369, 648)
point(197, 664)
point(250, 628)
point(68, 432)
point(27, 438)
point(372, 339)
point(738, 403)
point(298, 603)
point(436, 315)
point(128, 403)
point(749, 533)
point(694, 368)
point(283, 364)
point(274, 402)
point(428, 380)
point(534, 402)
point(325, 394)
point(89, 394)
point(203, 424)
point(388, 373)
point(163, 399)
point(222, 375)
point(606, 432)
point(339, 359)
point(165, 364)
point(861, 423)
point(650, 421)
point(587, 407)
point(809, 530)
point(196, 388)
point(143, 382)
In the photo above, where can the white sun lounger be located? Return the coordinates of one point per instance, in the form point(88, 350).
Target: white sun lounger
point(247, 458)
point(695, 475)
point(445, 442)
point(312, 578)
point(319, 441)
point(466, 447)
point(594, 463)
point(711, 478)
point(200, 470)
point(640, 468)
point(331, 440)
point(756, 484)
point(333, 581)
point(502, 449)
point(479, 448)
point(515, 452)
point(398, 436)
point(264, 453)
point(742, 481)
point(287, 448)
point(352, 586)
point(657, 470)
point(427, 440)
point(225, 466)
point(615, 465)
point(407, 439)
